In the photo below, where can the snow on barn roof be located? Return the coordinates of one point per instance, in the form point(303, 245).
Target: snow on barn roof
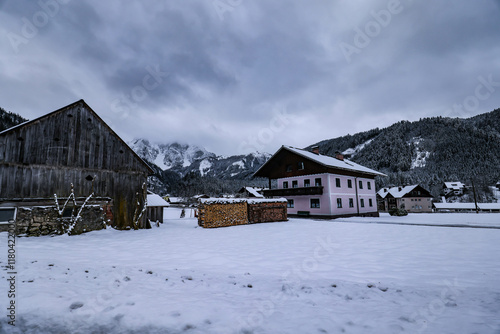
point(333, 162)
point(396, 192)
point(156, 200)
point(454, 185)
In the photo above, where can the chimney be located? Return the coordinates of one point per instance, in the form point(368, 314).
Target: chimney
point(400, 188)
point(339, 156)
point(315, 149)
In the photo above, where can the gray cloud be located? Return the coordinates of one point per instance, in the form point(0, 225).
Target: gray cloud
point(226, 76)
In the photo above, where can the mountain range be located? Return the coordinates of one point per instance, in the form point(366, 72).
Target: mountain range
point(428, 152)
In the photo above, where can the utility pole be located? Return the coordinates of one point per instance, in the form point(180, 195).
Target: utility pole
point(475, 196)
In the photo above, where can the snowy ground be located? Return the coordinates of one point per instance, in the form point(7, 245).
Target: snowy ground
point(356, 275)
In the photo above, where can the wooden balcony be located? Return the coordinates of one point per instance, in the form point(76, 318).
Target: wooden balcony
point(294, 191)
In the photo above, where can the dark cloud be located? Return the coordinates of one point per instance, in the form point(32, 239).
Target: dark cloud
point(225, 77)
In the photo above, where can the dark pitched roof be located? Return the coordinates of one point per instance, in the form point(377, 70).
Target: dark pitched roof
point(85, 105)
point(323, 160)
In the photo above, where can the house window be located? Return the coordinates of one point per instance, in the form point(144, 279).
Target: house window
point(307, 183)
point(290, 203)
point(295, 184)
point(362, 202)
point(349, 183)
point(370, 202)
point(339, 203)
point(288, 168)
point(351, 202)
point(317, 182)
point(360, 184)
point(301, 165)
point(7, 214)
point(314, 203)
point(285, 184)
point(337, 182)
point(369, 185)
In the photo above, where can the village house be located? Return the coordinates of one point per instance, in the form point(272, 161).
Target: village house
point(453, 189)
point(410, 198)
point(250, 192)
point(155, 207)
point(319, 185)
point(53, 166)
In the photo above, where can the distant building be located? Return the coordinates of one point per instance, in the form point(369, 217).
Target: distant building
point(155, 207)
point(498, 185)
point(251, 192)
point(319, 185)
point(467, 207)
point(453, 189)
point(411, 198)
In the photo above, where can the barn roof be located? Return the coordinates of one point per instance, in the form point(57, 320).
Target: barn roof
point(70, 106)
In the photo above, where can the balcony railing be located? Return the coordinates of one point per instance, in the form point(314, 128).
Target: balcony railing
point(294, 191)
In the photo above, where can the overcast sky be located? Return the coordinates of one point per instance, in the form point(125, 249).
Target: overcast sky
point(237, 76)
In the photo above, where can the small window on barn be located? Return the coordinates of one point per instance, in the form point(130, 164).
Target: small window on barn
point(89, 178)
point(121, 151)
point(7, 214)
point(288, 168)
point(20, 138)
point(89, 119)
point(290, 203)
point(301, 165)
point(314, 203)
point(70, 115)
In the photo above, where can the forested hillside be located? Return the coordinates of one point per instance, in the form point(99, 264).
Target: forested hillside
point(429, 151)
point(9, 119)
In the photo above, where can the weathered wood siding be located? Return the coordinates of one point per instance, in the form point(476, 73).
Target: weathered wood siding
point(71, 145)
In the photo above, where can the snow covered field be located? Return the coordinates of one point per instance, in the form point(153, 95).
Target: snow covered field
point(356, 275)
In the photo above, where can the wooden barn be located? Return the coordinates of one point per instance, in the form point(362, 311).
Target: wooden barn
point(71, 150)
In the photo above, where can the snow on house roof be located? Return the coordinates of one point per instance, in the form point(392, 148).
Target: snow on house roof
point(454, 185)
point(333, 162)
point(176, 200)
point(396, 192)
point(254, 192)
point(156, 200)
